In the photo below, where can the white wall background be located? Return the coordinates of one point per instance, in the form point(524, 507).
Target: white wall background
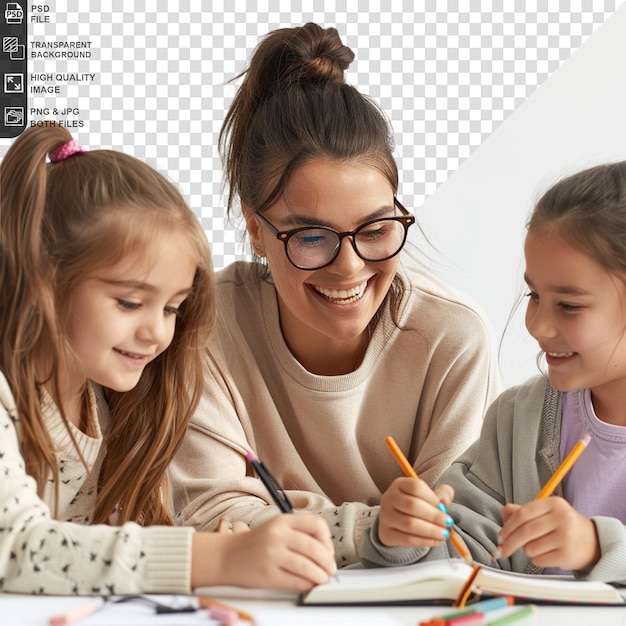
point(576, 119)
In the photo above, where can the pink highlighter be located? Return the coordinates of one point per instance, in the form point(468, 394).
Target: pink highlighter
point(226, 616)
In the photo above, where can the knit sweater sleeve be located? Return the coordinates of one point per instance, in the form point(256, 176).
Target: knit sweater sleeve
point(612, 564)
point(42, 555)
point(224, 486)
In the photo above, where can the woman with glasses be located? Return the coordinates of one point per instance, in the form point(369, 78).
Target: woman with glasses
point(327, 342)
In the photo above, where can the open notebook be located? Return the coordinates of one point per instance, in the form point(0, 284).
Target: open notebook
point(439, 582)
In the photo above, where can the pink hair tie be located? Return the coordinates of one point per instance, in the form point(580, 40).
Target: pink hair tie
point(68, 149)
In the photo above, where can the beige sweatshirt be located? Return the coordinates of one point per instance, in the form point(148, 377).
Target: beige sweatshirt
point(427, 383)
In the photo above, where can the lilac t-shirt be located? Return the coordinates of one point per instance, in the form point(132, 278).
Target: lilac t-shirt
point(595, 484)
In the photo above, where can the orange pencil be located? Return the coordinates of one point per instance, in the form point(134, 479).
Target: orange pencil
point(208, 603)
point(565, 467)
point(403, 462)
point(78, 613)
point(408, 470)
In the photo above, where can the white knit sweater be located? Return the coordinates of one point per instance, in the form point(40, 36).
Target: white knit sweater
point(43, 551)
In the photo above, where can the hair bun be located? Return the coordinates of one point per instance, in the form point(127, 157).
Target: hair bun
point(323, 56)
point(289, 56)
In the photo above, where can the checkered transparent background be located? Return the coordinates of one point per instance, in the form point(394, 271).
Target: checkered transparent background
point(446, 78)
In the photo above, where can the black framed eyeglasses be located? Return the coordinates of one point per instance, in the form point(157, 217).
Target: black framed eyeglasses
point(314, 247)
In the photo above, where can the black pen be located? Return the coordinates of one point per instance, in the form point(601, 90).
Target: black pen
point(271, 484)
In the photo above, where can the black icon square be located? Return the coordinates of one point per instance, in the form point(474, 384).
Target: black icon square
point(14, 116)
point(14, 83)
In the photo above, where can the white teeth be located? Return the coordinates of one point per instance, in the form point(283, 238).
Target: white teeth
point(561, 355)
point(345, 296)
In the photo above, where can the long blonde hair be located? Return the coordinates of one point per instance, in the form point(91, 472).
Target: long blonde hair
point(59, 221)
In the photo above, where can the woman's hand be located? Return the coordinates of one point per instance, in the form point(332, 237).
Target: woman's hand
point(228, 527)
point(410, 514)
point(551, 533)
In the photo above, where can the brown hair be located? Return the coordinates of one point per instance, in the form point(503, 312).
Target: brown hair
point(293, 106)
point(588, 209)
point(60, 221)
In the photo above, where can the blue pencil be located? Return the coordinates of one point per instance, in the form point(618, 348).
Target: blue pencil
point(483, 606)
point(513, 616)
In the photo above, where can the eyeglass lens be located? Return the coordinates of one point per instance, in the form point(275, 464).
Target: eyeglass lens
point(314, 247)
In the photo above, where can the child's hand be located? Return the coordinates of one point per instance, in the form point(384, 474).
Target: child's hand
point(552, 533)
point(291, 551)
point(409, 514)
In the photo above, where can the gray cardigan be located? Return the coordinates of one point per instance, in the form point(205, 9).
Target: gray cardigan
point(517, 452)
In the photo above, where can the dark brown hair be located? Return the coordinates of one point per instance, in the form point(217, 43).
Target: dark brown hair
point(588, 210)
point(293, 105)
point(59, 222)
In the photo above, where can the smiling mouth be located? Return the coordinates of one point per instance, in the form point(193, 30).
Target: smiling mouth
point(131, 355)
point(342, 296)
point(560, 355)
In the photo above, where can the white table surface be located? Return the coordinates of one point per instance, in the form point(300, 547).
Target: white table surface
point(35, 611)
